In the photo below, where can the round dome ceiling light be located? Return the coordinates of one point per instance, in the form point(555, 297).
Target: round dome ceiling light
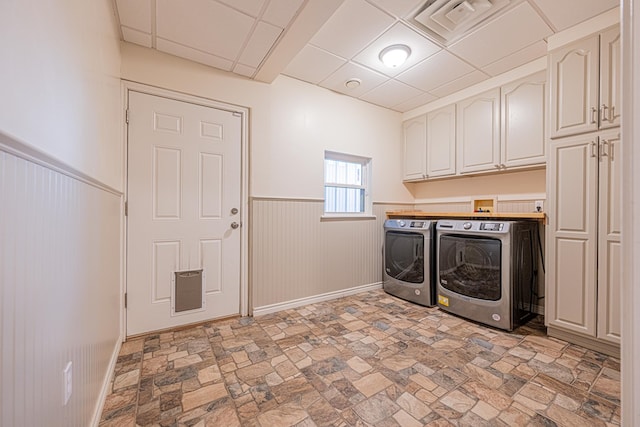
point(395, 55)
point(352, 83)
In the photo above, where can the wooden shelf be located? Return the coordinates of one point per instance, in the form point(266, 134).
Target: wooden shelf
point(540, 216)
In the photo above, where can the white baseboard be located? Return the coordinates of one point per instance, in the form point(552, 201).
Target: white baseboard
point(272, 308)
point(104, 392)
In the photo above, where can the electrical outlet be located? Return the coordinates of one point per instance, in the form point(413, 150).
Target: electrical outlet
point(539, 205)
point(68, 381)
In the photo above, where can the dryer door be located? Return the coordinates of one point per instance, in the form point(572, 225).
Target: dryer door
point(471, 266)
point(404, 256)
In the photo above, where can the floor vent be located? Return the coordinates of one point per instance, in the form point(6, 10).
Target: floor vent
point(449, 20)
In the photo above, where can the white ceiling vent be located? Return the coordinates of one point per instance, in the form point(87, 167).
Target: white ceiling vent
point(448, 20)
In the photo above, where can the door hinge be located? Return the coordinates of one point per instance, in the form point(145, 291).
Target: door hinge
point(126, 116)
point(126, 208)
point(125, 300)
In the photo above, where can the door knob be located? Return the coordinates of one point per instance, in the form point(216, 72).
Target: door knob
point(235, 225)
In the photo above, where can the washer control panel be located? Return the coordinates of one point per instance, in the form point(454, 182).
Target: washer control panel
point(491, 226)
point(414, 224)
point(473, 226)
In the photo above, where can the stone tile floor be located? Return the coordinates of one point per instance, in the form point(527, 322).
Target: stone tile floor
point(365, 360)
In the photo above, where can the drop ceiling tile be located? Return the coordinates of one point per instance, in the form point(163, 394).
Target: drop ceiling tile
point(205, 25)
point(193, 54)
point(369, 79)
point(260, 42)
point(244, 70)
point(135, 14)
point(514, 30)
point(398, 8)
point(521, 57)
point(351, 28)
point(463, 82)
point(435, 71)
point(390, 93)
point(415, 102)
point(566, 13)
point(420, 46)
point(133, 36)
point(313, 65)
point(280, 12)
point(250, 7)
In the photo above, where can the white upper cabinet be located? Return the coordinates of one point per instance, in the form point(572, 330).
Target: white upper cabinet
point(523, 122)
point(478, 132)
point(610, 105)
point(441, 142)
point(585, 86)
point(499, 129)
point(415, 147)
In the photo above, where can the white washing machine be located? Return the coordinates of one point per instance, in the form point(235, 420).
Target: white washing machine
point(487, 270)
point(408, 257)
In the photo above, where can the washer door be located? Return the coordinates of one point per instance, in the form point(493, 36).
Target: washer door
point(471, 266)
point(404, 256)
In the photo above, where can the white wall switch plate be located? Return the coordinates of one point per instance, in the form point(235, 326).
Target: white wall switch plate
point(539, 205)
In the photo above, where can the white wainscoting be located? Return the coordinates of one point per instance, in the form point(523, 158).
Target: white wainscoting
point(296, 257)
point(60, 298)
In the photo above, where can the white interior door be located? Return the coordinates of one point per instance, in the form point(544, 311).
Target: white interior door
point(184, 194)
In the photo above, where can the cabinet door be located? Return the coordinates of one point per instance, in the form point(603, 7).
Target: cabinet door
point(572, 180)
point(609, 219)
point(478, 132)
point(441, 142)
point(415, 146)
point(610, 105)
point(573, 74)
point(523, 121)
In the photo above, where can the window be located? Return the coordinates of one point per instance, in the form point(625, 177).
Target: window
point(346, 184)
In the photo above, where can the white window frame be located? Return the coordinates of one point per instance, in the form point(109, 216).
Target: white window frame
point(365, 163)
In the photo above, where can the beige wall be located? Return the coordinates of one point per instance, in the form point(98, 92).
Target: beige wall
point(59, 82)
point(60, 210)
point(299, 258)
point(523, 182)
point(294, 254)
point(291, 124)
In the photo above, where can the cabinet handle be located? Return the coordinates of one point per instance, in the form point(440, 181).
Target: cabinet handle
point(611, 152)
point(603, 113)
point(594, 115)
point(593, 150)
point(612, 113)
point(605, 148)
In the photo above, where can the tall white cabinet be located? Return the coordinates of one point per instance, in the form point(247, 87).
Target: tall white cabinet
point(583, 191)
